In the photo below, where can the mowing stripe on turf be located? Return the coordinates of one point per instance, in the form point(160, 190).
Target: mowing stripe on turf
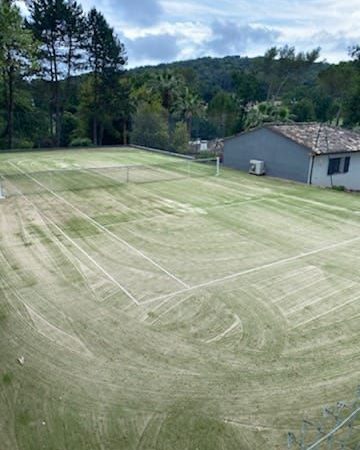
point(325, 313)
point(103, 228)
point(109, 276)
point(254, 269)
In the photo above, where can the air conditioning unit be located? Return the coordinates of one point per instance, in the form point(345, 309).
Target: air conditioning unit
point(257, 167)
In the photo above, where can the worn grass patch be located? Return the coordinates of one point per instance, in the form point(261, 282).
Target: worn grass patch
point(202, 313)
point(77, 227)
point(7, 378)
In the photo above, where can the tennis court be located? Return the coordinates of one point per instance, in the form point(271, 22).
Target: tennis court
point(160, 306)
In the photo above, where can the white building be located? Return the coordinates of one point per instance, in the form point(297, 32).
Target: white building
point(311, 153)
point(337, 169)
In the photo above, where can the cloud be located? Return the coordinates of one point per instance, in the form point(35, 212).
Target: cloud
point(334, 45)
point(153, 48)
point(228, 37)
point(194, 28)
point(139, 12)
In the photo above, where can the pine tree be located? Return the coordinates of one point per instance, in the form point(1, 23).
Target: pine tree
point(59, 26)
point(75, 28)
point(17, 55)
point(105, 60)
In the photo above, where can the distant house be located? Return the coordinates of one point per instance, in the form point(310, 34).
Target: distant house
point(306, 152)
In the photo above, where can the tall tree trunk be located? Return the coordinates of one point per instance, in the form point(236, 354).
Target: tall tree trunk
point(96, 109)
point(10, 107)
point(189, 125)
point(95, 131)
point(57, 114)
point(101, 134)
point(51, 95)
point(269, 91)
point(124, 132)
point(282, 85)
point(68, 72)
point(338, 116)
point(56, 96)
point(51, 121)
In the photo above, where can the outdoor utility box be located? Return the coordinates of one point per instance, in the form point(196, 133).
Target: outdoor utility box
point(257, 167)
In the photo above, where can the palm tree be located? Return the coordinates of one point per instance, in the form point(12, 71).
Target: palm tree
point(188, 106)
point(167, 84)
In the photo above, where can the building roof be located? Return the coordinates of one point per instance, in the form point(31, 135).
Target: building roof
point(319, 138)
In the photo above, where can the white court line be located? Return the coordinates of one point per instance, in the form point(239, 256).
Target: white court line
point(35, 317)
point(207, 284)
point(325, 313)
point(255, 269)
point(111, 278)
point(98, 225)
point(317, 203)
point(310, 212)
point(170, 309)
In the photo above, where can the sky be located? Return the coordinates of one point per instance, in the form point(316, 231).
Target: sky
point(156, 31)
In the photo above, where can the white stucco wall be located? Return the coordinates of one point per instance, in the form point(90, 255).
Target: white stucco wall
point(350, 180)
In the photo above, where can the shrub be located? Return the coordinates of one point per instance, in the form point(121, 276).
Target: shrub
point(150, 126)
point(180, 138)
point(339, 188)
point(81, 142)
point(23, 144)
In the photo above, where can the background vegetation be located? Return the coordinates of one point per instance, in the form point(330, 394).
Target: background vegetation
point(64, 83)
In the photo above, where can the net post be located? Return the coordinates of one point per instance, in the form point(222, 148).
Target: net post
point(217, 166)
point(2, 192)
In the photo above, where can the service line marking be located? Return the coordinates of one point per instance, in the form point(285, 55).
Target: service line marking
point(254, 270)
point(108, 275)
point(318, 203)
point(103, 228)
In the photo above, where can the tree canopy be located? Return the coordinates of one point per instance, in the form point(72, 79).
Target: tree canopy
point(64, 82)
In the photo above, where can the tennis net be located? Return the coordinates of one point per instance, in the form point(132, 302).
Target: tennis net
point(77, 179)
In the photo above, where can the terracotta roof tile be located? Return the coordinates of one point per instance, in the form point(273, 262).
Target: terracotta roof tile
point(319, 138)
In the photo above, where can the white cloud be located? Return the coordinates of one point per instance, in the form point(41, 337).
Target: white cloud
point(154, 47)
point(244, 26)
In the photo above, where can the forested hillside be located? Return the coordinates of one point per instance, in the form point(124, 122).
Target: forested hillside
point(64, 82)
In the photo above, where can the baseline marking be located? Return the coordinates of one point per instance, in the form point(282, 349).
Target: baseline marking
point(98, 225)
point(111, 278)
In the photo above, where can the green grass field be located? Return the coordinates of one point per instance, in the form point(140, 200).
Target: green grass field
point(193, 313)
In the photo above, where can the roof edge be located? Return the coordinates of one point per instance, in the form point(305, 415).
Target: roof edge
point(251, 130)
point(272, 126)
